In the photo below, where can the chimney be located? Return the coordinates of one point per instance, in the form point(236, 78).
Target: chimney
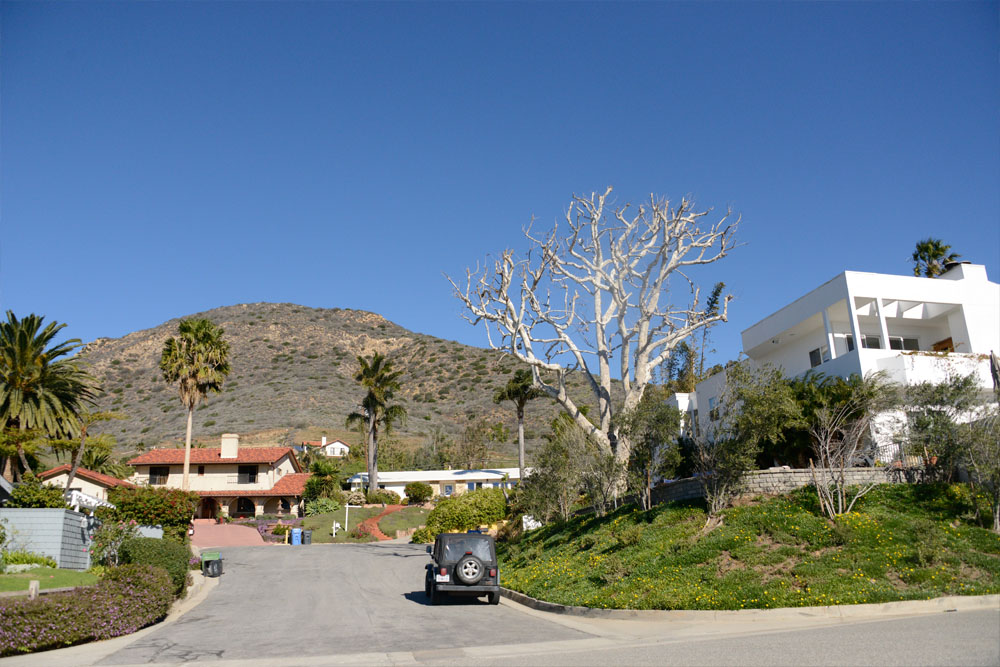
point(324, 442)
point(230, 446)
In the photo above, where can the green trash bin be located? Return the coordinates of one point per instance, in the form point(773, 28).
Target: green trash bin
point(211, 564)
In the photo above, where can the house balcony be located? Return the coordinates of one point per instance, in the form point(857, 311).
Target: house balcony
point(906, 368)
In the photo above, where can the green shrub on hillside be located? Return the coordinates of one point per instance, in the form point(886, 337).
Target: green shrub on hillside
point(167, 554)
point(382, 496)
point(321, 506)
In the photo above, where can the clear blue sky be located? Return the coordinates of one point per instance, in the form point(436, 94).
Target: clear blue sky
point(160, 159)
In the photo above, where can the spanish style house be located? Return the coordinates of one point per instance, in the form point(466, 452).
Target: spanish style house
point(233, 481)
point(911, 329)
point(442, 482)
point(92, 483)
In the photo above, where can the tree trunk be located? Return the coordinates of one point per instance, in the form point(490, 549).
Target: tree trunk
point(77, 457)
point(520, 441)
point(185, 482)
point(20, 452)
point(372, 456)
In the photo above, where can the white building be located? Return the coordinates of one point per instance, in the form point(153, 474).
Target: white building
point(913, 329)
point(334, 449)
point(442, 482)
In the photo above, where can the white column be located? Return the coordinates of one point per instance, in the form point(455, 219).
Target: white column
point(881, 324)
point(852, 312)
point(829, 335)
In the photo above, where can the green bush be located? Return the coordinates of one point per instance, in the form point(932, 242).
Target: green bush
point(108, 539)
point(27, 558)
point(467, 510)
point(321, 506)
point(355, 498)
point(128, 598)
point(31, 493)
point(280, 529)
point(171, 556)
point(418, 492)
point(382, 496)
point(153, 506)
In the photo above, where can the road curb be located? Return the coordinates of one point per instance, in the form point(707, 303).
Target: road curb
point(901, 608)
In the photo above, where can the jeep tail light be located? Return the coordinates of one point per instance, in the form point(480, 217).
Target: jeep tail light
point(444, 571)
point(493, 572)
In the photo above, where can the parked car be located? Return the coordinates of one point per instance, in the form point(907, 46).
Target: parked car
point(463, 564)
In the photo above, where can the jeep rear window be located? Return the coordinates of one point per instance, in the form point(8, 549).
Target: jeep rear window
point(454, 549)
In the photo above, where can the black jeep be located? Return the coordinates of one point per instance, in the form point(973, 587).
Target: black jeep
point(463, 564)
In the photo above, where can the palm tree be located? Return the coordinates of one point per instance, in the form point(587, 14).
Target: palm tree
point(97, 453)
point(931, 256)
point(519, 390)
point(39, 391)
point(198, 361)
point(376, 375)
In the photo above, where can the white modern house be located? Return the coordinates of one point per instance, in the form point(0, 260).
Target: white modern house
point(442, 482)
point(913, 329)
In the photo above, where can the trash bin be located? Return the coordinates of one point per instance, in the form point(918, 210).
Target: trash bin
point(296, 536)
point(307, 537)
point(211, 564)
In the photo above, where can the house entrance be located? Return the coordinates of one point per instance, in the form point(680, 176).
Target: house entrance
point(244, 507)
point(208, 509)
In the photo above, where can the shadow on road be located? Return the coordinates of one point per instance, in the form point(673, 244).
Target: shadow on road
point(446, 600)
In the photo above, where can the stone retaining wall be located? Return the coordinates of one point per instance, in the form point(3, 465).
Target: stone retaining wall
point(779, 480)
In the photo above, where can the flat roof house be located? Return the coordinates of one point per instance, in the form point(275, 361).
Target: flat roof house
point(234, 481)
point(442, 482)
point(911, 328)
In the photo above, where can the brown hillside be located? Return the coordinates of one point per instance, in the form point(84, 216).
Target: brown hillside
point(291, 379)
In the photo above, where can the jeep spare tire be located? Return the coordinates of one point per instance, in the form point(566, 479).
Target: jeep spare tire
point(469, 570)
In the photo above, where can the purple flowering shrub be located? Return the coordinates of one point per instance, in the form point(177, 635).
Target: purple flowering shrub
point(128, 598)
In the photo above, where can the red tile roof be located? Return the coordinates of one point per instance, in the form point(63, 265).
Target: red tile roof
point(201, 456)
point(292, 484)
point(96, 477)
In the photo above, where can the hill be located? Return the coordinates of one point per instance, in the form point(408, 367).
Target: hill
point(291, 380)
point(901, 542)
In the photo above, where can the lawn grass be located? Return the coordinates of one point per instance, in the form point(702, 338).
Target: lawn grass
point(404, 519)
point(901, 542)
point(48, 577)
point(321, 523)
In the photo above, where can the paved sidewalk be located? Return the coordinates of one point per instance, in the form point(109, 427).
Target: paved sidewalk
point(207, 533)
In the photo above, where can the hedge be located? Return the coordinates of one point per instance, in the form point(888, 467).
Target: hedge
point(167, 554)
point(463, 511)
point(153, 506)
point(129, 597)
point(418, 492)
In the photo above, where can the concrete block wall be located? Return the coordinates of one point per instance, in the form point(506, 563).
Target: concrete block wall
point(60, 534)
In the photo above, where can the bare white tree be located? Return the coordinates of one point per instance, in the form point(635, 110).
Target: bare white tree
point(598, 293)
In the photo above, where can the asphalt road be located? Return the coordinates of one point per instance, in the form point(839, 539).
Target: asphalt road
point(364, 604)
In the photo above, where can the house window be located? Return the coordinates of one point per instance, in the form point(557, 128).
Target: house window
point(247, 475)
point(696, 423)
point(871, 342)
point(850, 343)
point(158, 475)
point(201, 471)
point(449, 489)
point(818, 356)
point(713, 409)
point(471, 486)
point(900, 343)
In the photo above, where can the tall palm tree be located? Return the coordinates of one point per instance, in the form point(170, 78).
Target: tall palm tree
point(930, 257)
point(39, 391)
point(198, 361)
point(382, 383)
point(519, 390)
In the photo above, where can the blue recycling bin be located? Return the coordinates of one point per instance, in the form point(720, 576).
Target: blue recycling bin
point(296, 536)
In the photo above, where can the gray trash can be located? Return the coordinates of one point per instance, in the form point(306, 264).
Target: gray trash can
point(307, 537)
